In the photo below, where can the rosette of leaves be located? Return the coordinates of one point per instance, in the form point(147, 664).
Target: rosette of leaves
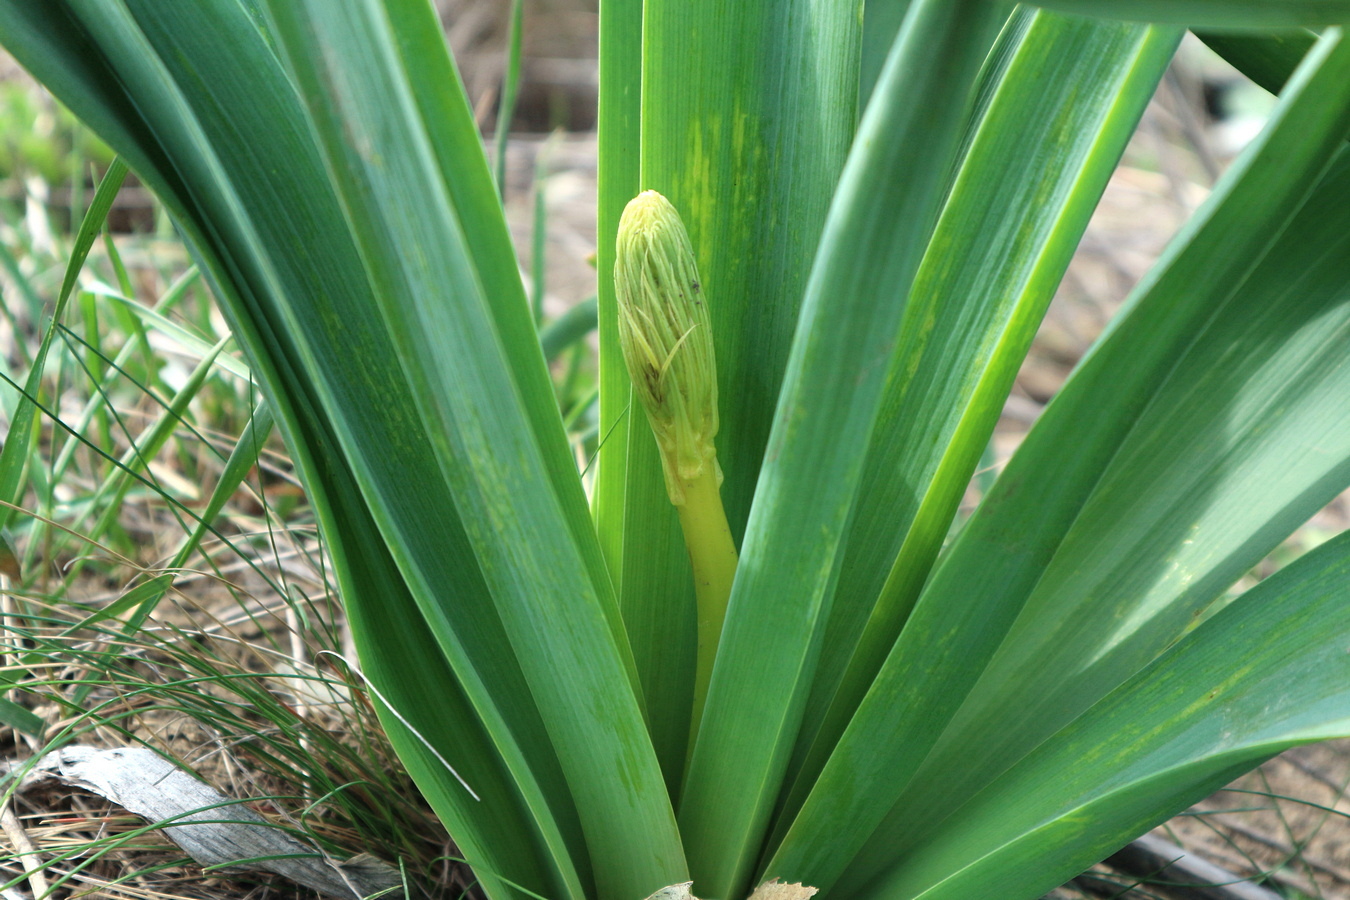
point(882, 207)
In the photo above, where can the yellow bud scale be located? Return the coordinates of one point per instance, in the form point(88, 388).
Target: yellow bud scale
point(666, 337)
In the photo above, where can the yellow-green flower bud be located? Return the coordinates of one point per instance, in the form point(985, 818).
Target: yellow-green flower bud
point(666, 339)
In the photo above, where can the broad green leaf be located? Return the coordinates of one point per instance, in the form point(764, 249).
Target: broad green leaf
point(1267, 59)
point(1212, 13)
point(1244, 441)
point(455, 143)
point(635, 521)
point(618, 127)
point(411, 205)
point(21, 718)
point(326, 295)
point(745, 128)
point(1267, 673)
point(882, 214)
point(1071, 93)
point(658, 597)
point(296, 248)
point(1001, 557)
point(434, 724)
point(453, 139)
point(341, 206)
point(881, 23)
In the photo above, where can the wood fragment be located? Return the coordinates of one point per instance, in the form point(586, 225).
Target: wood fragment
point(1170, 869)
point(24, 849)
point(215, 830)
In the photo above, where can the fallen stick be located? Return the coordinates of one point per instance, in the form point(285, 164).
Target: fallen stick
point(24, 850)
point(215, 830)
point(1170, 869)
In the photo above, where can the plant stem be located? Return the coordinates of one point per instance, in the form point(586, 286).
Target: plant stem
point(506, 110)
point(713, 557)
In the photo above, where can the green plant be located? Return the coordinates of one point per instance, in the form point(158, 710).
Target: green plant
point(237, 662)
point(885, 720)
point(43, 140)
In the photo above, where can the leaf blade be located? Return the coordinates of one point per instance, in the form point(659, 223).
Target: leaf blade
point(468, 376)
point(1004, 550)
point(870, 250)
point(745, 128)
point(1073, 92)
point(275, 169)
point(1179, 729)
point(14, 454)
point(1212, 13)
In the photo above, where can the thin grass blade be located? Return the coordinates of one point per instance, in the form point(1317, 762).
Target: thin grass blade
point(168, 327)
point(19, 439)
point(567, 329)
point(241, 461)
point(506, 109)
point(112, 492)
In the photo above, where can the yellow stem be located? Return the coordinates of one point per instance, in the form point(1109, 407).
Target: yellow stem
point(713, 556)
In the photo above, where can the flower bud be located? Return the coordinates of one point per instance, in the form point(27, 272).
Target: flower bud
point(666, 338)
